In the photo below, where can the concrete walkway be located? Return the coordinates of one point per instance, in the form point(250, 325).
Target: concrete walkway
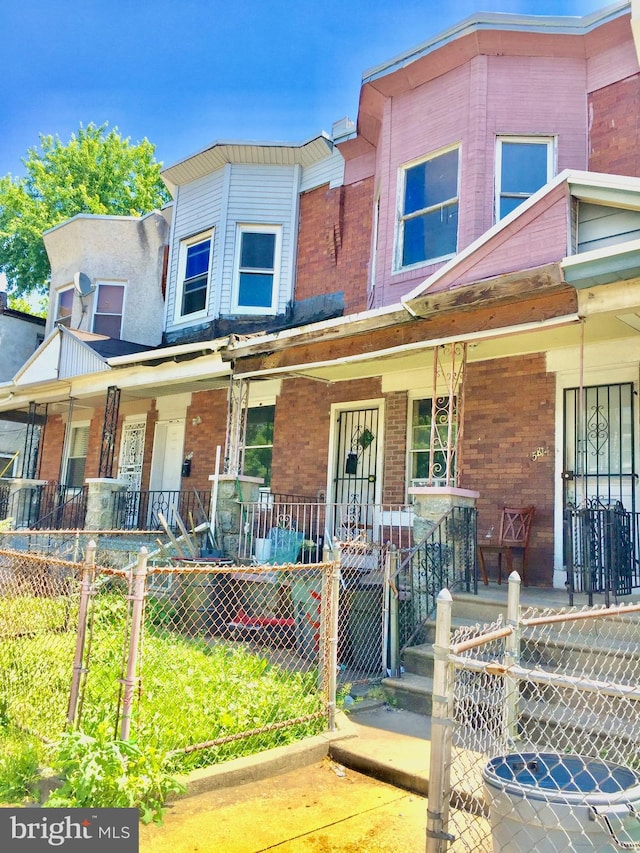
point(359, 790)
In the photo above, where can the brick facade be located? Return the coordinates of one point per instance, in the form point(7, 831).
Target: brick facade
point(205, 429)
point(51, 445)
point(302, 425)
point(509, 415)
point(395, 447)
point(334, 243)
point(614, 139)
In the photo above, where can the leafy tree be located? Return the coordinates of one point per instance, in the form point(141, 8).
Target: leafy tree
point(96, 171)
point(38, 308)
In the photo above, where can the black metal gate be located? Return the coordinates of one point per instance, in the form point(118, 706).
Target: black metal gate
point(355, 473)
point(600, 544)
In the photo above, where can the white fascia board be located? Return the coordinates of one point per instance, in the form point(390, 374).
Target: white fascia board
point(601, 266)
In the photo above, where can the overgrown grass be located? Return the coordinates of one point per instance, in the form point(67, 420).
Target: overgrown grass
point(192, 691)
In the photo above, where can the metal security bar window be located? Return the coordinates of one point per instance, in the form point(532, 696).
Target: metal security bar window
point(429, 440)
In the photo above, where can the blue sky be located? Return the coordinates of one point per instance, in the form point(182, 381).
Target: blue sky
point(184, 73)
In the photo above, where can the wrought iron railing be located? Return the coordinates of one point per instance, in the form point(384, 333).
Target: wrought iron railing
point(601, 545)
point(45, 506)
point(5, 494)
point(61, 508)
point(312, 525)
point(141, 510)
point(446, 558)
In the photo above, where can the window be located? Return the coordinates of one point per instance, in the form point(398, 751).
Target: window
point(77, 456)
point(7, 465)
point(429, 209)
point(107, 319)
point(259, 442)
point(257, 263)
point(194, 267)
point(64, 306)
point(523, 165)
point(420, 441)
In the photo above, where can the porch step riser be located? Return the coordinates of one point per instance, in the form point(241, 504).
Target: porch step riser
point(540, 720)
point(621, 665)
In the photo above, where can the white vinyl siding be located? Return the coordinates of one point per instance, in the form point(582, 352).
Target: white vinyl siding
point(197, 209)
point(237, 194)
point(329, 171)
point(600, 226)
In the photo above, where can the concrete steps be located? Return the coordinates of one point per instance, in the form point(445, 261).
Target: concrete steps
point(612, 652)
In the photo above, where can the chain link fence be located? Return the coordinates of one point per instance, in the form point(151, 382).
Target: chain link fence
point(207, 662)
point(536, 731)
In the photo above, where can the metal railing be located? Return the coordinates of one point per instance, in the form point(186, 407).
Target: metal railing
point(140, 510)
point(445, 559)
point(525, 711)
point(45, 506)
point(602, 550)
point(277, 529)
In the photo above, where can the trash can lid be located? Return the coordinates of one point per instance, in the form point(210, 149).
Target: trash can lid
point(550, 775)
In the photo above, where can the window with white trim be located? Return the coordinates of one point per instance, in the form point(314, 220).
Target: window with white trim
point(76, 456)
point(257, 266)
point(523, 165)
point(258, 447)
point(107, 318)
point(420, 441)
point(194, 269)
point(428, 218)
point(64, 306)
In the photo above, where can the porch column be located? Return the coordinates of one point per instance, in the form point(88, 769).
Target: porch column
point(231, 493)
point(102, 506)
point(430, 503)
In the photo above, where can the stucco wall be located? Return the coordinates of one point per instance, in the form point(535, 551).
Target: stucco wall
point(125, 250)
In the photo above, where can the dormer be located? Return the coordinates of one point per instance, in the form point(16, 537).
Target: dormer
point(107, 275)
point(235, 230)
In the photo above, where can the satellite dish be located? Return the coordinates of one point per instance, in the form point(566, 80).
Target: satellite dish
point(82, 284)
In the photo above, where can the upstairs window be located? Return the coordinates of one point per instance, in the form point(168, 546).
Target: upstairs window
point(258, 448)
point(428, 226)
point(523, 165)
point(64, 306)
point(257, 264)
point(193, 275)
point(107, 319)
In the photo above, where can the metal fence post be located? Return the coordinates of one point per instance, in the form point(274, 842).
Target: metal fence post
point(390, 646)
point(137, 597)
point(440, 763)
point(333, 645)
point(87, 590)
point(512, 657)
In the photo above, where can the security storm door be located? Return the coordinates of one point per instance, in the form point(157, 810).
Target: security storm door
point(599, 479)
point(599, 458)
point(132, 454)
point(355, 475)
